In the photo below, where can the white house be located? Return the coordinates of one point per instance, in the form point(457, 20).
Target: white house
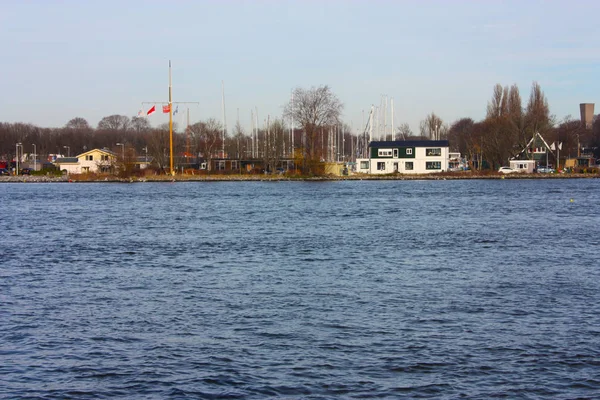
point(527, 166)
point(96, 160)
point(405, 157)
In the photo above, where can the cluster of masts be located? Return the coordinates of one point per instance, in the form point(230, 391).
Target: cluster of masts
point(377, 127)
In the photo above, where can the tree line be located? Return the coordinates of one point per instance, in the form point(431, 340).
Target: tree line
point(509, 126)
point(319, 134)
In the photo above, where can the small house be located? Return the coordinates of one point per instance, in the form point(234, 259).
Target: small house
point(96, 160)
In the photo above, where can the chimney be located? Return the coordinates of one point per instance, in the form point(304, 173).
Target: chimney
point(587, 114)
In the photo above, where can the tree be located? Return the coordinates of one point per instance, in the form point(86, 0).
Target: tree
point(237, 143)
point(570, 133)
point(537, 116)
point(498, 106)
point(114, 123)
point(497, 136)
point(313, 109)
point(595, 139)
point(206, 136)
point(516, 122)
point(460, 137)
point(403, 131)
point(433, 127)
point(78, 123)
point(140, 124)
point(273, 144)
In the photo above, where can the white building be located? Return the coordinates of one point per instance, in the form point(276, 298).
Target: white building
point(405, 157)
point(96, 160)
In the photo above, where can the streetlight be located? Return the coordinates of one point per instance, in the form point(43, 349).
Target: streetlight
point(122, 150)
point(34, 158)
point(17, 157)
point(68, 150)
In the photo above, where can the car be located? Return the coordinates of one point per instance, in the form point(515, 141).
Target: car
point(4, 171)
point(545, 170)
point(26, 171)
point(506, 170)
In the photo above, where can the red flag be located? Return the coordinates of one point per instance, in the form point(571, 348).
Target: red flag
point(152, 110)
point(166, 108)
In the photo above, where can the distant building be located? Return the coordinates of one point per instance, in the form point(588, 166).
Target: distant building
point(96, 160)
point(405, 157)
point(587, 114)
point(538, 151)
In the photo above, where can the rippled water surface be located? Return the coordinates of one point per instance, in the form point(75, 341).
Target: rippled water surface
point(386, 289)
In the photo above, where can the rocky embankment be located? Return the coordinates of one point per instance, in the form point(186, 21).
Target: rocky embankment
point(33, 179)
point(276, 178)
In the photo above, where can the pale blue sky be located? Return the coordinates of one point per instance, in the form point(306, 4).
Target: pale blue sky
point(63, 59)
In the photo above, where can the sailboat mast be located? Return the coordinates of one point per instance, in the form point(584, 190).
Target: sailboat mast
point(171, 122)
point(256, 136)
point(187, 137)
point(393, 129)
point(251, 133)
point(385, 118)
point(224, 123)
point(371, 124)
point(292, 126)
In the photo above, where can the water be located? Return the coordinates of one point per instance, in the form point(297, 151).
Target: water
point(297, 290)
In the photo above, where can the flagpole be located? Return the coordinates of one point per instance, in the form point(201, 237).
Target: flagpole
point(171, 122)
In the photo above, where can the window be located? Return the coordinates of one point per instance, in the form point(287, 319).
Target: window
point(380, 166)
point(89, 158)
point(409, 166)
point(436, 152)
point(433, 165)
point(234, 165)
point(220, 165)
point(384, 152)
point(395, 153)
point(104, 157)
point(408, 152)
point(364, 165)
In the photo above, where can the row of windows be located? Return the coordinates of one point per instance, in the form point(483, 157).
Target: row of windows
point(392, 152)
point(537, 150)
point(432, 152)
point(408, 165)
point(90, 157)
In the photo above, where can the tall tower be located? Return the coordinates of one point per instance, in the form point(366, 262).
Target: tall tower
point(587, 114)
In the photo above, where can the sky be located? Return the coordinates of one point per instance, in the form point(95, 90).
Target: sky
point(90, 59)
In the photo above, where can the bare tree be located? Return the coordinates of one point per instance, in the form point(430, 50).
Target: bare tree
point(158, 146)
point(140, 124)
point(273, 144)
point(78, 123)
point(516, 122)
point(403, 131)
point(207, 138)
point(433, 127)
point(537, 116)
point(114, 123)
point(313, 109)
point(498, 106)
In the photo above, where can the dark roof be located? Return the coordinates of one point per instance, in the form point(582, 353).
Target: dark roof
point(65, 160)
point(410, 143)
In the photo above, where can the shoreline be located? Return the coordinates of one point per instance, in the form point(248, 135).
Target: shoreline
point(283, 178)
